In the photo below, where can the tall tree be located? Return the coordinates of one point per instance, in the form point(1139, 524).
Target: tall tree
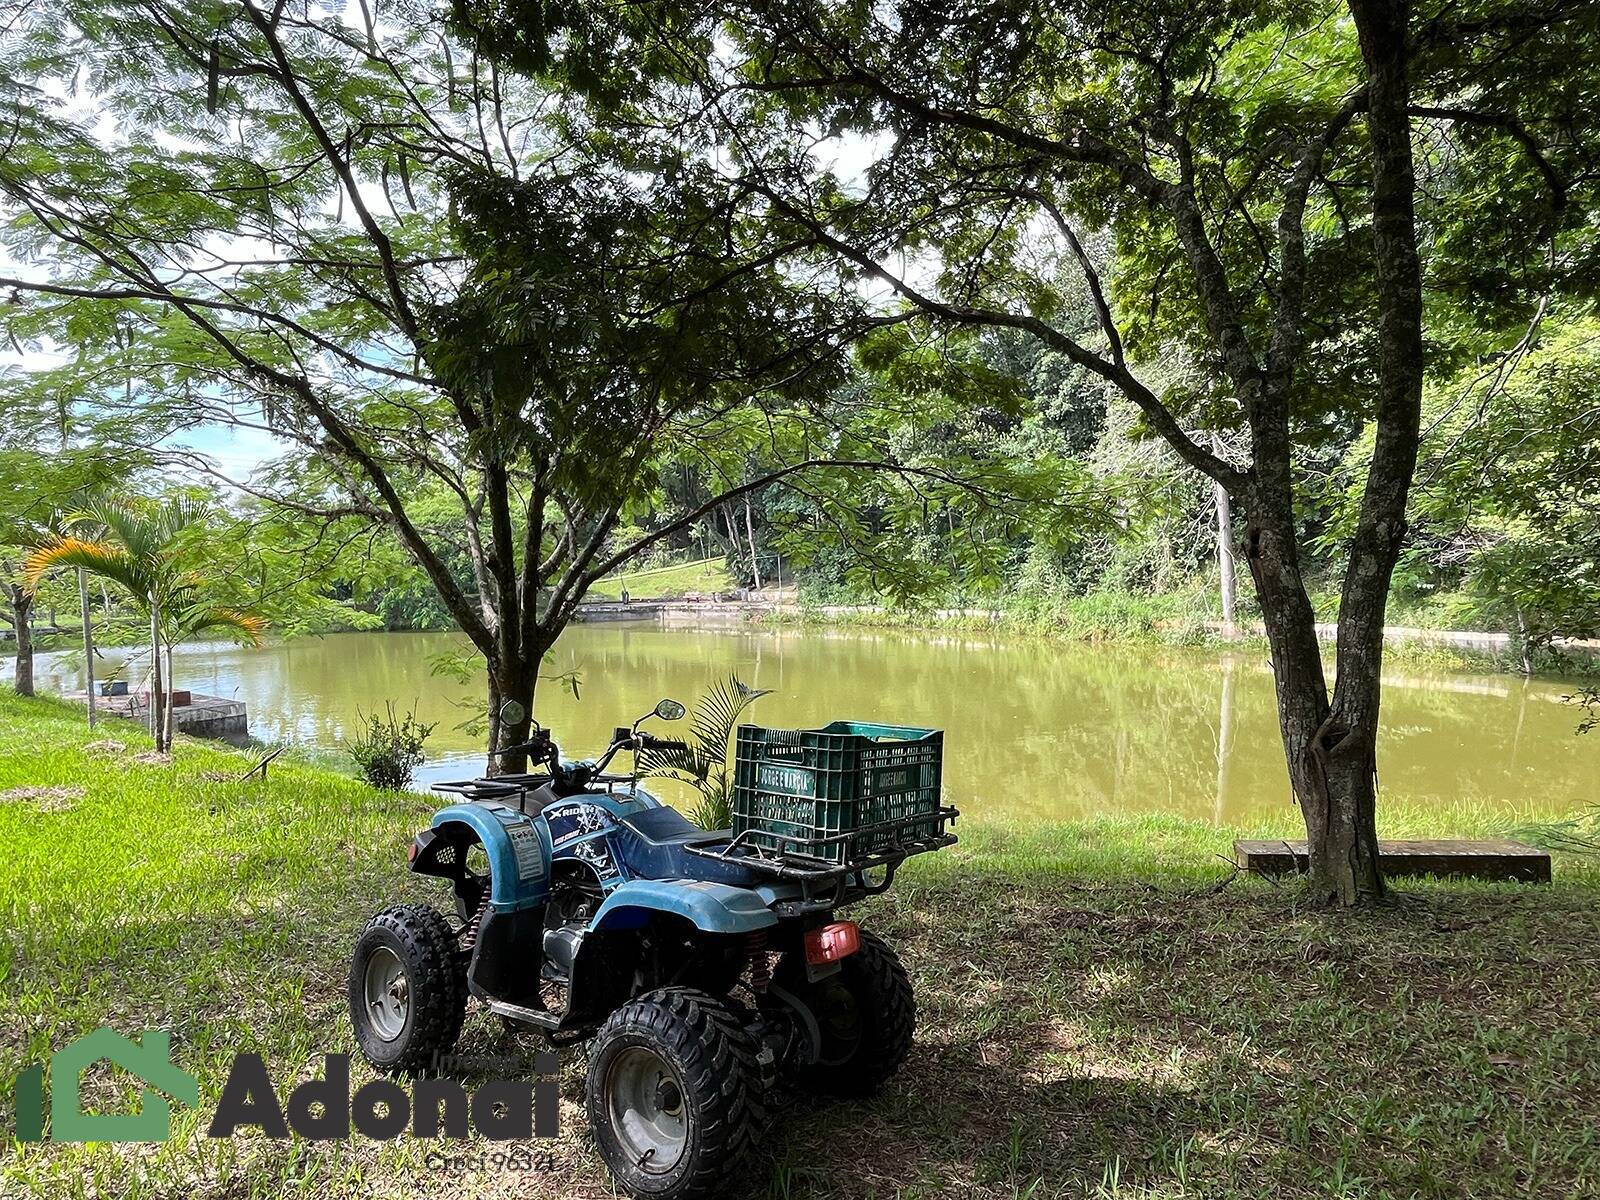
point(434, 282)
point(1256, 166)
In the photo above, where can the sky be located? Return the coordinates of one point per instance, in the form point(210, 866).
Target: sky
point(234, 452)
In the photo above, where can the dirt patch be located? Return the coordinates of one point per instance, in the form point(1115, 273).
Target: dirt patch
point(44, 799)
point(152, 758)
point(107, 746)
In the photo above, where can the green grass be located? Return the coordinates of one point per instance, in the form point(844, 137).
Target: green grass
point(1104, 1010)
point(705, 576)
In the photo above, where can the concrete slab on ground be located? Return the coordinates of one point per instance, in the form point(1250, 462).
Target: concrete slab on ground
point(1496, 858)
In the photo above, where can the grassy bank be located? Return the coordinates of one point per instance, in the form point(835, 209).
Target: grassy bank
point(1183, 617)
point(704, 577)
point(1101, 1013)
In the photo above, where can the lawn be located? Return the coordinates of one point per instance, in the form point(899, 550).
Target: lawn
point(705, 577)
point(1102, 1012)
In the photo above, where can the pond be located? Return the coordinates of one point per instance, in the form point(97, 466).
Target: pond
point(1034, 729)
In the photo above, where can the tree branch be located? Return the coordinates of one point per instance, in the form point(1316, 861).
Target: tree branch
point(1160, 417)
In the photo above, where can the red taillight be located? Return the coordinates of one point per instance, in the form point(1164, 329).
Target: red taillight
point(830, 943)
point(411, 854)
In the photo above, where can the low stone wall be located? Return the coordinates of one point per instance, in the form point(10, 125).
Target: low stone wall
point(204, 716)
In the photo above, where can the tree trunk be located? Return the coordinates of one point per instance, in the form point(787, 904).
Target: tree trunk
point(166, 703)
point(1344, 862)
point(493, 742)
point(1227, 577)
point(22, 619)
point(88, 643)
point(1524, 650)
point(514, 676)
point(750, 532)
point(1336, 800)
point(155, 674)
point(733, 537)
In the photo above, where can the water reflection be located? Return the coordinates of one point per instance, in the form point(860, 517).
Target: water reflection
point(1033, 729)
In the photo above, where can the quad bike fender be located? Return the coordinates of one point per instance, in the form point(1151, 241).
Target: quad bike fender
point(517, 846)
point(710, 907)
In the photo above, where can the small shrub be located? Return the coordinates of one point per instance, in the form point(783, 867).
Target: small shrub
point(715, 809)
point(389, 749)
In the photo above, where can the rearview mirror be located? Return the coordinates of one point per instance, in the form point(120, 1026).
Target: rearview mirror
point(512, 712)
point(670, 710)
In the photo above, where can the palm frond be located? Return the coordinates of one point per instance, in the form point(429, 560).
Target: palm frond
point(128, 525)
point(689, 764)
point(98, 558)
point(703, 763)
point(715, 810)
point(718, 711)
point(676, 776)
point(179, 513)
point(248, 625)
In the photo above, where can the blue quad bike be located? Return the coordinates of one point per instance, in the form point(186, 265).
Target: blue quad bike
point(706, 974)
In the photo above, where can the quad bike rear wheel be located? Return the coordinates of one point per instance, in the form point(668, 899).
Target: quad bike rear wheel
point(864, 1015)
point(674, 1095)
point(408, 989)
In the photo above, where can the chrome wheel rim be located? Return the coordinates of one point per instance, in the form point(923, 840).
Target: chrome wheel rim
point(648, 1109)
point(388, 993)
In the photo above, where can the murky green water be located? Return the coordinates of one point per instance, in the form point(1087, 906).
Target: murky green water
point(1033, 729)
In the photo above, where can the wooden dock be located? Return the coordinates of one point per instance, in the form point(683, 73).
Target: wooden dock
point(1499, 858)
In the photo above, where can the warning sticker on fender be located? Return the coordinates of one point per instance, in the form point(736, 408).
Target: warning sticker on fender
point(530, 855)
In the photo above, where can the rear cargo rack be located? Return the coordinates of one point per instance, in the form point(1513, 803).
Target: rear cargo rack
point(508, 789)
point(481, 789)
point(827, 884)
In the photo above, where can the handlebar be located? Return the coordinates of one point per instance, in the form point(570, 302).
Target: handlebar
point(533, 746)
point(543, 747)
point(649, 741)
point(623, 738)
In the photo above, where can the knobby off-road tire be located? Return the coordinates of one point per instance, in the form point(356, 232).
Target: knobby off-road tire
point(866, 1014)
point(674, 1095)
point(404, 1026)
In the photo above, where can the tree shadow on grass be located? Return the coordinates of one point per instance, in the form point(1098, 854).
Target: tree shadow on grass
point(952, 1124)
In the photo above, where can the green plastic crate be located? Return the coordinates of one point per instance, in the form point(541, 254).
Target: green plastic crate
point(794, 788)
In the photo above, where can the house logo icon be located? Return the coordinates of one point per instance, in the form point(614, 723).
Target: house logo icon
point(148, 1059)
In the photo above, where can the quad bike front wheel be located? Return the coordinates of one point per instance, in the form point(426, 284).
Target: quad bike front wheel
point(408, 989)
point(674, 1095)
point(864, 1016)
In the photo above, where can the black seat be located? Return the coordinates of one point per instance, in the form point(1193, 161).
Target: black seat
point(653, 847)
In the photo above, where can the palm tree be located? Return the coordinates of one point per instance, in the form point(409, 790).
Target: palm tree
point(143, 549)
point(703, 762)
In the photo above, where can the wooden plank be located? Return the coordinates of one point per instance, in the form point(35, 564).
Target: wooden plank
point(1497, 858)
